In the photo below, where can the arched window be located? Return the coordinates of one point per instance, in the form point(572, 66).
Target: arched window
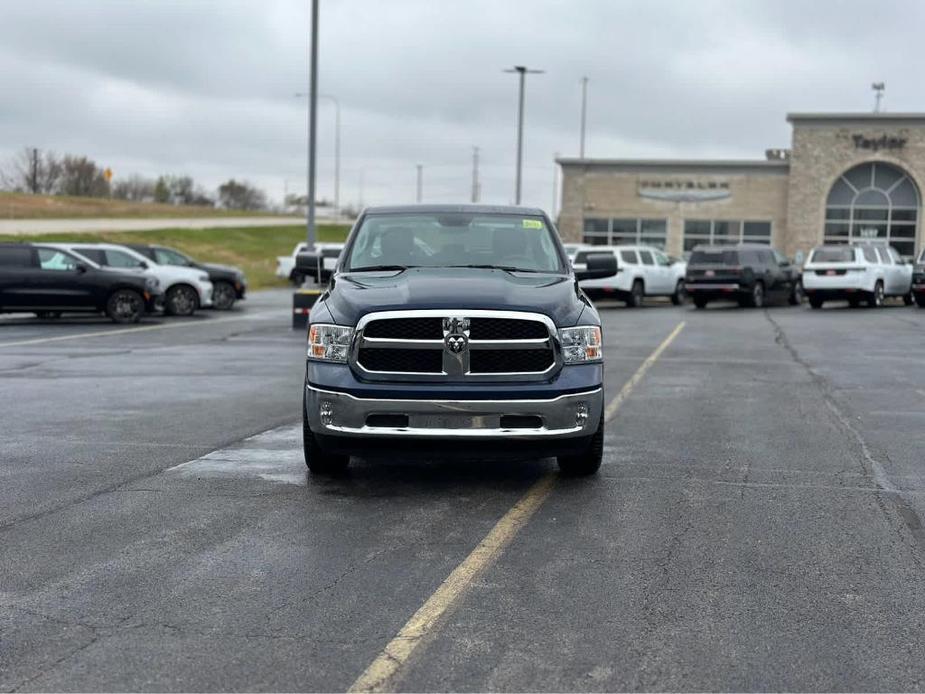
point(873, 201)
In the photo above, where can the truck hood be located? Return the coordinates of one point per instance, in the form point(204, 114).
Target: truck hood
point(352, 295)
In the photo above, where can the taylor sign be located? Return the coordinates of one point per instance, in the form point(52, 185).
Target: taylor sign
point(878, 143)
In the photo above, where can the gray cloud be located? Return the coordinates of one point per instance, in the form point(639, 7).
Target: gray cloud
point(206, 87)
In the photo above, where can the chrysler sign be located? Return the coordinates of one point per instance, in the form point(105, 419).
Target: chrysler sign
point(675, 190)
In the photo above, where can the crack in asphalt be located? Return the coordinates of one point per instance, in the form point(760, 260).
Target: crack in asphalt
point(874, 468)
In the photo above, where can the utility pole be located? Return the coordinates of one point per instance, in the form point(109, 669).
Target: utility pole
point(879, 88)
point(420, 195)
point(312, 128)
point(475, 174)
point(555, 186)
point(584, 112)
point(522, 71)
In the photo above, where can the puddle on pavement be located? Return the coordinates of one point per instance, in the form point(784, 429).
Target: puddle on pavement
point(273, 456)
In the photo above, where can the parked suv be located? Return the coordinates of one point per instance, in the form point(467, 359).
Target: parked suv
point(918, 281)
point(454, 330)
point(641, 271)
point(49, 281)
point(228, 283)
point(751, 274)
point(856, 272)
point(185, 289)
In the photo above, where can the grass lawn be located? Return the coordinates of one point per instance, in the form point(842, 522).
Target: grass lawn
point(253, 249)
point(26, 206)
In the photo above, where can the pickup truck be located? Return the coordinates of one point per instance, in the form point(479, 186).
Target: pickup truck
point(454, 331)
point(285, 264)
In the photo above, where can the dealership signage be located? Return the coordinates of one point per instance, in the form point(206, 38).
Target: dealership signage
point(878, 143)
point(678, 190)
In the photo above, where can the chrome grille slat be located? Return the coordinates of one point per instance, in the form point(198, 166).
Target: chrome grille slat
point(383, 351)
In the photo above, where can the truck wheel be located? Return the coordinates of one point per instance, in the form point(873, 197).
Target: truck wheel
point(907, 299)
point(796, 296)
point(318, 461)
point(876, 299)
point(636, 295)
point(756, 300)
point(223, 296)
point(679, 294)
point(815, 302)
point(589, 461)
point(181, 300)
point(700, 302)
point(125, 306)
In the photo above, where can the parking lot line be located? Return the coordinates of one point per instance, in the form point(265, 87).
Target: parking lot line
point(383, 670)
point(140, 329)
point(628, 387)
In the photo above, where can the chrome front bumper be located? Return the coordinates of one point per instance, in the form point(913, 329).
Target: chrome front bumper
point(566, 416)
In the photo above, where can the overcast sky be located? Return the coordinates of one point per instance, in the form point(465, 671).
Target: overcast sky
point(206, 88)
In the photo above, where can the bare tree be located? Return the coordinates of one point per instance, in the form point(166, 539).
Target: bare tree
point(32, 171)
point(240, 195)
point(82, 177)
point(135, 188)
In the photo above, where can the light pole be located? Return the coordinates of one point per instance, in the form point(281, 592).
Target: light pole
point(312, 128)
point(336, 147)
point(584, 112)
point(522, 71)
point(420, 195)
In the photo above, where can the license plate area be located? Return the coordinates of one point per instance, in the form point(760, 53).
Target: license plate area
point(454, 421)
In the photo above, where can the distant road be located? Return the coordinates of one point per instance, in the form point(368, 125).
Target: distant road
point(58, 226)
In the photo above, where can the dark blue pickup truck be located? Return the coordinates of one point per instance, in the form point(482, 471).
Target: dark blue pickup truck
point(454, 331)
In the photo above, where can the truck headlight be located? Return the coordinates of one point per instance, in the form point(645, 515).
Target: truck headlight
point(581, 344)
point(329, 342)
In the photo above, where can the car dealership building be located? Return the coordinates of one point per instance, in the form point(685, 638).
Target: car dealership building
point(846, 176)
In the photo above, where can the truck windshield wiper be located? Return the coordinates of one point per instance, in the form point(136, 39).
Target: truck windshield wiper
point(374, 268)
point(506, 268)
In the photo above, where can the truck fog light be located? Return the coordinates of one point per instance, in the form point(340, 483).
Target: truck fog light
point(581, 414)
point(327, 412)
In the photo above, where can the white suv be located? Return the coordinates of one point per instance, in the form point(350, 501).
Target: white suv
point(184, 289)
point(641, 271)
point(856, 272)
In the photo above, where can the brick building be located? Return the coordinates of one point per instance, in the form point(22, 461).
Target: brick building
point(846, 176)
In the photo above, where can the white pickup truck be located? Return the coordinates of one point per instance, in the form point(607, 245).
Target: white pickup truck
point(285, 264)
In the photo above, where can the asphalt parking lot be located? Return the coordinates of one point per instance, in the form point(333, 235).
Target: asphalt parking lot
point(756, 525)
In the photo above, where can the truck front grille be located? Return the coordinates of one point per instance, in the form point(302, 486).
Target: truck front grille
point(463, 345)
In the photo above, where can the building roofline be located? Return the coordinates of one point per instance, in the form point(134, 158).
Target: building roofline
point(855, 117)
point(774, 165)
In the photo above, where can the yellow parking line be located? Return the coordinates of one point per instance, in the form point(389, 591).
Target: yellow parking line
point(628, 387)
point(382, 671)
point(140, 329)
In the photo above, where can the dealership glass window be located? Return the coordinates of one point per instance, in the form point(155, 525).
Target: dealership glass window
point(873, 201)
point(725, 231)
point(626, 231)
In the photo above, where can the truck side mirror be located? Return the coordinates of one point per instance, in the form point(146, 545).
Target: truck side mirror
point(312, 265)
point(598, 266)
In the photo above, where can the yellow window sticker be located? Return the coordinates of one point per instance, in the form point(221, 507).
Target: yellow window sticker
point(532, 224)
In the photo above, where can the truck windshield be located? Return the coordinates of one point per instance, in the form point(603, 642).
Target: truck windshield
point(510, 242)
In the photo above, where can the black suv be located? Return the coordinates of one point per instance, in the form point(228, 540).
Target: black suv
point(49, 281)
point(228, 283)
point(751, 274)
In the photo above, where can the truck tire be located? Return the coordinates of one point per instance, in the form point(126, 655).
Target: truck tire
point(637, 293)
point(679, 294)
point(908, 299)
point(815, 302)
point(317, 460)
point(876, 299)
point(125, 306)
point(700, 302)
point(589, 461)
point(796, 294)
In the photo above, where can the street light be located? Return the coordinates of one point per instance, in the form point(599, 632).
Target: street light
point(522, 71)
point(336, 146)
